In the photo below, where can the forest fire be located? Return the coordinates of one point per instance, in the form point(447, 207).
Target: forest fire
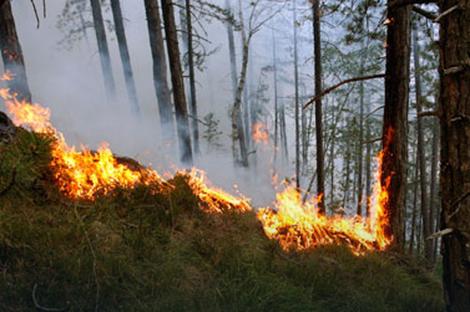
point(297, 225)
point(260, 133)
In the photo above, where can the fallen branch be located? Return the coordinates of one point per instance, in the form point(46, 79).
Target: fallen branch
point(336, 86)
point(440, 233)
point(42, 308)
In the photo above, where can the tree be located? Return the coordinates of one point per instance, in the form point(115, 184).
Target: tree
point(455, 154)
point(296, 100)
point(110, 86)
point(427, 220)
point(124, 52)
point(318, 104)
point(179, 97)
point(397, 73)
point(12, 55)
point(192, 78)
point(160, 80)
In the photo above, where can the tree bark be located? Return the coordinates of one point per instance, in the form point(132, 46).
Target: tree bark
point(124, 53)
point(12, 55)
point(179, 97)
point(296, 100)
point(395, 119)
point(318, 105)
point(415, 206)
point(425, 213)
point(105, 59)
point(160, 80)
point(192, 78)
point(238, 131)
point(360, 186)
point(455, 152)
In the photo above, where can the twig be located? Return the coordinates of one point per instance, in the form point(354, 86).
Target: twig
point(336, 86)
point(42, 308)
point(372, 140)
point(457, 202)
point(446, 12)
point(35, 13)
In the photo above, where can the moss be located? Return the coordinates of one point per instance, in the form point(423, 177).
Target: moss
point(138, 251)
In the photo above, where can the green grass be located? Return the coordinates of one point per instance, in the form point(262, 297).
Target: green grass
point(134, 251)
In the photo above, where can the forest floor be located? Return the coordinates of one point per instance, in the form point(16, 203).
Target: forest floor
point(136, 251)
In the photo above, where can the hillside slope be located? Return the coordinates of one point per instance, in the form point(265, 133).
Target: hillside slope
point(136, 250)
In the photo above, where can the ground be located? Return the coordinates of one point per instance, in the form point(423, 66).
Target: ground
point(135, 250)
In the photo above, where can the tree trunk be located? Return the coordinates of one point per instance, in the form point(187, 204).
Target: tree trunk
point(177, 83)
point(427, 218)
point(296, 101)
point(414, 213)
point(12, 54)
point(160, 80)
point(455, 152)
point(395, 118)
point(360, 185)
point(192, 78)
point(100, 31)
point(238, 131)
point(124, 52)
point(276, 101)
point(433, 195)
point(318, 105)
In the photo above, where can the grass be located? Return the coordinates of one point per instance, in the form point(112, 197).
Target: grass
point(136, 251)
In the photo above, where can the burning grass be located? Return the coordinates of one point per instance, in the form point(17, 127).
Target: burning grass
point(157, 249)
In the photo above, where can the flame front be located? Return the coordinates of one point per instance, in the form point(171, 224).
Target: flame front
point(260, 133)
point(297, 225)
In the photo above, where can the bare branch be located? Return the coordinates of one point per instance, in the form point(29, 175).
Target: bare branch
point(336, 86)
point(440, 233)
point(35, 13)
point(427, 14)
point(446, 12)
point(428, 114)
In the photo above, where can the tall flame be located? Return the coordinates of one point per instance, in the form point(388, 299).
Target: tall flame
point(297, 225)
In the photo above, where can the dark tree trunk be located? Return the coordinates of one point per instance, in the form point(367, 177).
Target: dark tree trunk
point(192, 78)
point(160, 81)
point(427, 217)
point(395, 118)
point(296, 101)
point(12, 54)
point(455, 152)
point(179, 97)
point(360, 146)
point(414, 212)
point(125, 57)
point(100, 31)
point(318, 105)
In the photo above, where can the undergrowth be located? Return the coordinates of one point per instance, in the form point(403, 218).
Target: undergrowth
point(137, 251)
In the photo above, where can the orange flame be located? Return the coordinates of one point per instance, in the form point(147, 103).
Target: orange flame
point(260, 133)
point(295, 224)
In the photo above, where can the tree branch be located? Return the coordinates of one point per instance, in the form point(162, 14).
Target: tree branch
point(428, 114)
point(446, 12)
point(427, 14)
point(336, 86)
point(399, 3)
